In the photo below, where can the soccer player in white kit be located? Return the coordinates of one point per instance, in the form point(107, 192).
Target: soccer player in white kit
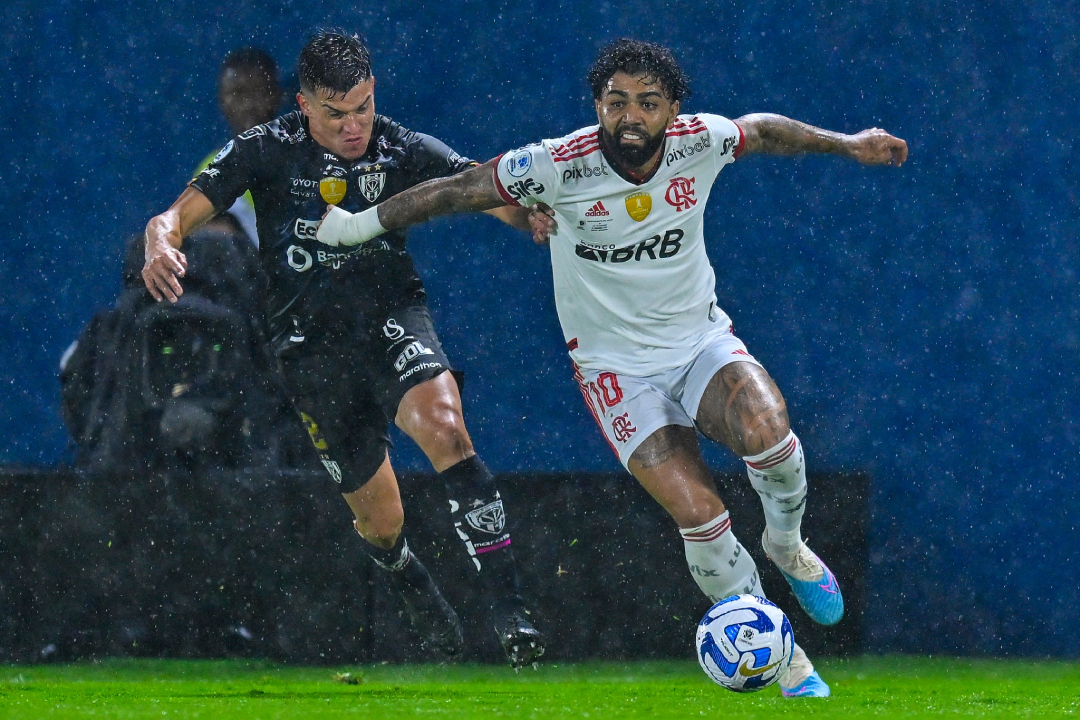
point(622, 204)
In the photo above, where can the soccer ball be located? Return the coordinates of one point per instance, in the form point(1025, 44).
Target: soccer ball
point(744, 643)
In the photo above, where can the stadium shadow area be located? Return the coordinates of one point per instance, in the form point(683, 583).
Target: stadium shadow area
point(251, 565)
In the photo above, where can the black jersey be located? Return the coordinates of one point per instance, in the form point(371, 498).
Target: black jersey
point(315, 290)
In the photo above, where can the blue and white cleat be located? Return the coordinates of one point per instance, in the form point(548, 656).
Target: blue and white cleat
point(813, 583)
point(801, 679)
point(812, 686)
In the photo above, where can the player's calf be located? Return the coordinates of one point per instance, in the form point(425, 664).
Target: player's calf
point(779, 477)
point(721, 566)
point(479, 518)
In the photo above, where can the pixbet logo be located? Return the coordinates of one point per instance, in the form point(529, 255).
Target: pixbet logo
point(580, 173)
point(680, 193)
point(686, 151)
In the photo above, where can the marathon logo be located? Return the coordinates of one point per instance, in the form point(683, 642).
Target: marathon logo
point(418, 368)
point(687, 151)
point(580, 173)
point(597, 210)
point(654, 248)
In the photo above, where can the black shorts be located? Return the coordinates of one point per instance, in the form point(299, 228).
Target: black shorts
point(347, 389)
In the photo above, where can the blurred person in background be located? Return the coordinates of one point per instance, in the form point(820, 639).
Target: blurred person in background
point(249, 93)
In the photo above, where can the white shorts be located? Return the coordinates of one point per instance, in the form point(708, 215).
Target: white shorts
point(629, 409)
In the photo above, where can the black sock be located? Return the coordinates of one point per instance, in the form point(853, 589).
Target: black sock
point(404, 568)
point(480, 522)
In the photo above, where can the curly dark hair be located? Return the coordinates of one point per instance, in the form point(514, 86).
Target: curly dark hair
point(335, 61)
point(636, 57)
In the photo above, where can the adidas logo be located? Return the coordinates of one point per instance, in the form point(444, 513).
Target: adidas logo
point(597, 210)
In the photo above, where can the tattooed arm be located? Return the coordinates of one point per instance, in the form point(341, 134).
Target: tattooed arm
point(471, 191)
point(778, 135)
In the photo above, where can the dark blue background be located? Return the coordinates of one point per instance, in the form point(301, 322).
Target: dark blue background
point(923, 323)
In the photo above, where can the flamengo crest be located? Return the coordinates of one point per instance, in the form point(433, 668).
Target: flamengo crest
point(371, 185)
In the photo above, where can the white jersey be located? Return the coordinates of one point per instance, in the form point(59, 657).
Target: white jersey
point(633, 284)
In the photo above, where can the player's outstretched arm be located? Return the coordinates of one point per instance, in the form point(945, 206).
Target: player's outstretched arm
point(165, 264)
point(471, 191)
point(777, 135)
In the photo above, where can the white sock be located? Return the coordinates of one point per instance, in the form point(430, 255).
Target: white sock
point(779, 477)
point(799, 669)
point(720, 565)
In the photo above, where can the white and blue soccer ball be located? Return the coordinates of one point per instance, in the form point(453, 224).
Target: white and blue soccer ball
point(744, 643)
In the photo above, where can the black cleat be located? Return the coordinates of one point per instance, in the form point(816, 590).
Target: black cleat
point(523, 643)
point(433, 620)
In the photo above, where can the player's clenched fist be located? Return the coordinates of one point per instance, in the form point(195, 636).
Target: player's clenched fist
point(542, 223)
point(877, 147)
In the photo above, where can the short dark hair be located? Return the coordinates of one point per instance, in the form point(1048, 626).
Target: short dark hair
point(335, 61)
point(249, 57)
point(636, 57)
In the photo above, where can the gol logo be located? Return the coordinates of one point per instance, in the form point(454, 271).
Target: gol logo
point(639, 205)
point(332, 189)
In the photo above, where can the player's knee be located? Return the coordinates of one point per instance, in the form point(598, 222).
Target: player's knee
point(381, 528)
point(698, 512)
point(767, 429)
point(436, 429)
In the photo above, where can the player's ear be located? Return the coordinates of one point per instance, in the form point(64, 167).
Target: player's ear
point(673, 113)
point(301, 100)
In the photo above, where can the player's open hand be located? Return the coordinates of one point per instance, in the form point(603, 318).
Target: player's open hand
point(877, 147)
point(542, 222)
point(161, 273)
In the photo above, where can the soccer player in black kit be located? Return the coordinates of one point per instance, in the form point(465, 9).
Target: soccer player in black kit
point(351, 328)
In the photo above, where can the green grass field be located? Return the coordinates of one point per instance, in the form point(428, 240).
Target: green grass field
point(903, 687)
